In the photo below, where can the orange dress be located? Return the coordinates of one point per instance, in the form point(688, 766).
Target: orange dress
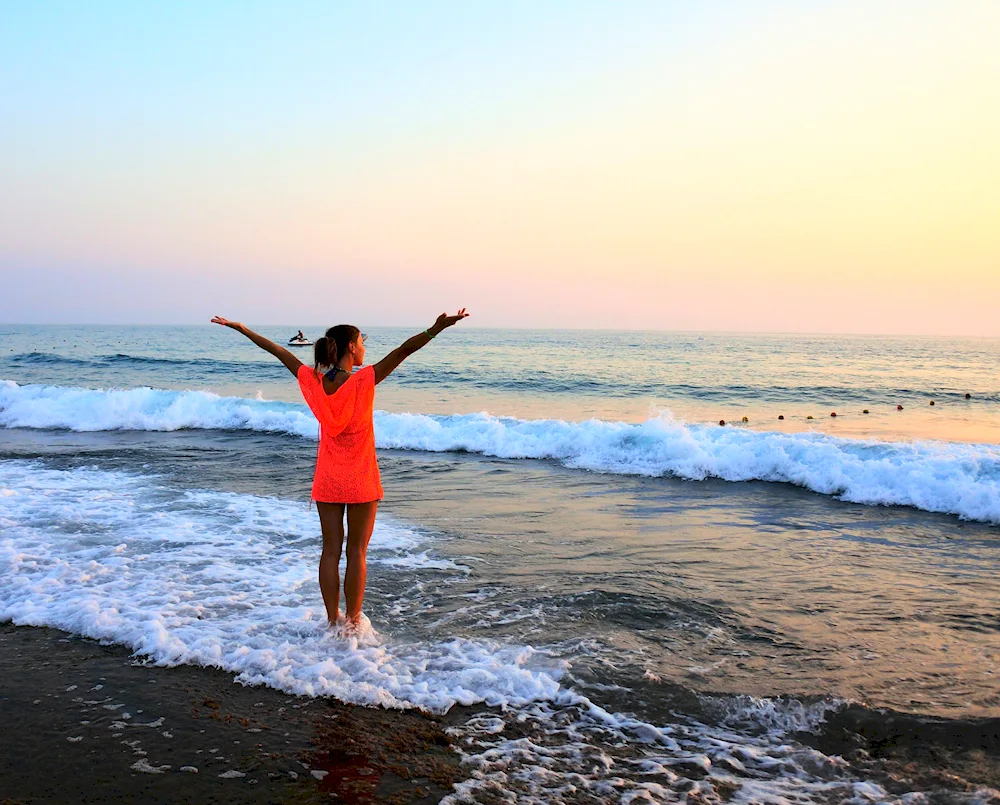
point(346, 467)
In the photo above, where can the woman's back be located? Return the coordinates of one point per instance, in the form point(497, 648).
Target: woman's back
point(346, 465)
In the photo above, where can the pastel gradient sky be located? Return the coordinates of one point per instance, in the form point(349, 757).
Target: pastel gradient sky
point(775, 166)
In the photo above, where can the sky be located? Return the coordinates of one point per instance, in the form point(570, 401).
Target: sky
point(765, 166)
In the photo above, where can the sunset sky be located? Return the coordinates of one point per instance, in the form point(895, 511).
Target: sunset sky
point(665, 165)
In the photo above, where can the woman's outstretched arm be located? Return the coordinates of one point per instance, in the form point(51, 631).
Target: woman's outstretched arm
point(385, 366)
point(292, 363)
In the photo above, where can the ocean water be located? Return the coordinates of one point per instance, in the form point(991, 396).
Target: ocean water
point(652, 607)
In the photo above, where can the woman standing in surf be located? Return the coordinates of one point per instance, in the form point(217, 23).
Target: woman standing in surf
point(347, 479)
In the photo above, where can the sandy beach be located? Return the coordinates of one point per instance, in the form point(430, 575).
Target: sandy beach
point(84, 722)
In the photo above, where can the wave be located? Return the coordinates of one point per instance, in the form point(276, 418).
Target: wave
point(483, 380)
point(43, 358)
point(141, 362)
point(944, 477)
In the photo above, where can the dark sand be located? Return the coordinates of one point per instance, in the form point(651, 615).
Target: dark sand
point(85, 723)
point(905, 752)
point(82, 722)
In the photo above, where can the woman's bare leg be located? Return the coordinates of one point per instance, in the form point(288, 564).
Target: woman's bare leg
point(331, 521)
point(360, 522)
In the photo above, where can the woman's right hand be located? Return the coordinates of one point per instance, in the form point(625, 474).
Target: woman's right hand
point(226, 322)
point(444, 320)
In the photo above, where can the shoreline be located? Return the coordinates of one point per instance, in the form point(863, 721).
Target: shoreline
point(86, 722)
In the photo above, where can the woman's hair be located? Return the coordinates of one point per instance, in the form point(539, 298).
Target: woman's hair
point(328, 349)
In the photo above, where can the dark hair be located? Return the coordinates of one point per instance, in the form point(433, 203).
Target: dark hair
point(331, 346)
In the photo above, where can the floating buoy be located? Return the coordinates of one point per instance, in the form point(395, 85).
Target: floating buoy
point(865, 411)
point(722, 422)
point(899, 408)
point(745, 419)
point(968, 396)
point(931, 402)
point(781, 416)
point(833, 413)
point(809, 417)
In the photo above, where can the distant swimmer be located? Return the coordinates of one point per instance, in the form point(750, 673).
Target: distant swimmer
point(347, 479)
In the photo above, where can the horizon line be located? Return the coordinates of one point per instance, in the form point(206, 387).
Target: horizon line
point(543, 329)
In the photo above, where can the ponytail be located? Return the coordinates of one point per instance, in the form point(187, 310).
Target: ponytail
point(330, 347)
point(321, 352)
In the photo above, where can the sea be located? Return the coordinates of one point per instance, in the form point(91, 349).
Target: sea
point(629, 600)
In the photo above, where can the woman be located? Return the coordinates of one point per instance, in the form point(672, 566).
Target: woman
point(347, 478)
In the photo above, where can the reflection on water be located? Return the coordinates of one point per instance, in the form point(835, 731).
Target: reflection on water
point(750, 588)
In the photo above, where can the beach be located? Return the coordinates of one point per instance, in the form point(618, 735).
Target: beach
point(577, 594)
point(657, 357)
point(69, 738)
point(84, 722)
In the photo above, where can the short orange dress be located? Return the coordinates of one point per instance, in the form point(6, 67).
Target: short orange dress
point(346, 467)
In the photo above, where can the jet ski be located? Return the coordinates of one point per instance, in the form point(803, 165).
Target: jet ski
point(299, 342)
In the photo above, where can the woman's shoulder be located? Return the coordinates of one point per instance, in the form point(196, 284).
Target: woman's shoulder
point(370, 380)
point(306, 373)
point(364, 379)
point(362, 376)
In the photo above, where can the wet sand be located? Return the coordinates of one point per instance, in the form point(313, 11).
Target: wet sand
point(907, 752)
point(83, 722)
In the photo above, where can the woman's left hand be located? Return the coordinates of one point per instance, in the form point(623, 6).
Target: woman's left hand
point(444, 320)
point(226, 322)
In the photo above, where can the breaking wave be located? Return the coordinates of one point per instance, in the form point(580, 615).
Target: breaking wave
point(935, 476)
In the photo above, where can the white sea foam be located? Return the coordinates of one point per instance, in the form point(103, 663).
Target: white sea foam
point(225, 580)
point(81, 409)
point(952, 478)
point(573, 753)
